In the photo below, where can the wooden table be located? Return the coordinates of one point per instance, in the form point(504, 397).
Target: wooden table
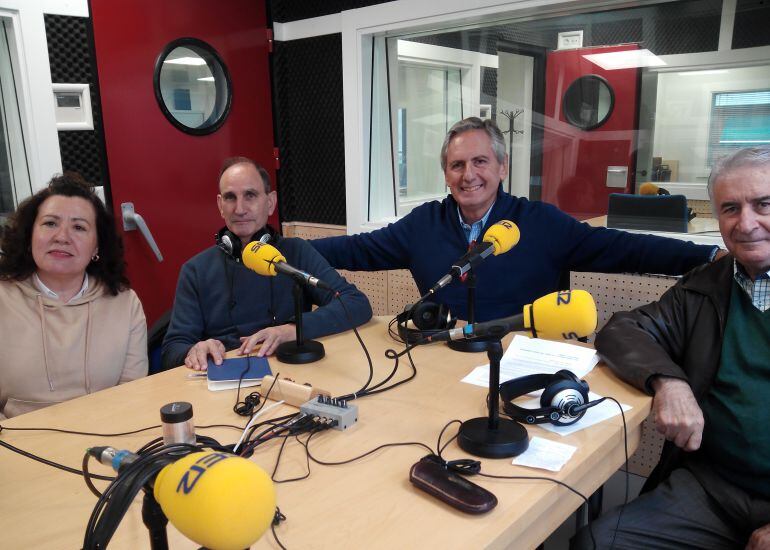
point(369, 503)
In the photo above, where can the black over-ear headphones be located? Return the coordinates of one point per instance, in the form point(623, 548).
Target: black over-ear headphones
point(231, 244)
point(563, 402)
point(428, 319)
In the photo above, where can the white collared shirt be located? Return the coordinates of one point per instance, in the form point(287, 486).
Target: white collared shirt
point(51, 294)
point(473, 230)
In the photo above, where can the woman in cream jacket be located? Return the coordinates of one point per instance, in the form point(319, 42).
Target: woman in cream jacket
point(69, 324)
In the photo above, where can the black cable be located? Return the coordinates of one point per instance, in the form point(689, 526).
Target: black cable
point(363, 346)
point(248, 407)
point(94, 434)
point(245, 407)
point(87, 477)
point(464, 466)
point(313, 431)
point(277, 519)
point(391, 354)
point(74, 432)
point(306, 444)
point(625, 500)
point(47, 462)
point(276, 427)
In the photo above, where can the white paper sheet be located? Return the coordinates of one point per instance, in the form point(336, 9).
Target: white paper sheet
point(534, 356)
point(545, 454)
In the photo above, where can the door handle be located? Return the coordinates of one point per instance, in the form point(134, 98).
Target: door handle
point(133, 221)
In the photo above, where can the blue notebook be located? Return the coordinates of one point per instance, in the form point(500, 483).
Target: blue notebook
point(226, 375)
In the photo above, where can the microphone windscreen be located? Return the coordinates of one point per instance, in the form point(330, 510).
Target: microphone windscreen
point(217, 500)
point(503, 235)
point(261, 257)
point(566, 314)
point(648, 188)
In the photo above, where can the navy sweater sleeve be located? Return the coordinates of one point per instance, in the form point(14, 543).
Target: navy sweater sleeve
point(603, 250)
point(331, 316)
point(386, 248)
point(186, 327)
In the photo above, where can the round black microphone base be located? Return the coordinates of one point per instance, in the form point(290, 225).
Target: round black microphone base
point(307, 352)
point(471, 346)
point(508, 439)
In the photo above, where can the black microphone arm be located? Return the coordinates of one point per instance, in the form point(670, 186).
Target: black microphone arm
point(301, 276)
point(496, 329)
point(470, 259)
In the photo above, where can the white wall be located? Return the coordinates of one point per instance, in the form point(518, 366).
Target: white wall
point(36, 104)
point(683, 114)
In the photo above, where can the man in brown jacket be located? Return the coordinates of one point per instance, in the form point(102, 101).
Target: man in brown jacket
point(702, 351)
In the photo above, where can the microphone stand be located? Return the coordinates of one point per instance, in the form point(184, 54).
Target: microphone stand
point(299, 351)
point(155, 521)
point(492, 436)
point(476, 344)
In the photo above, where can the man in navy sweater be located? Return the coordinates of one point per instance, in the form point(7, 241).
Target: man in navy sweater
point(220, 304)
point(434, 235)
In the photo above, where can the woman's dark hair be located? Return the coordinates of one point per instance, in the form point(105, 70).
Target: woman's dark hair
point(16, 261)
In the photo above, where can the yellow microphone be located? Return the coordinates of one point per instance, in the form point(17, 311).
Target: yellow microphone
point(566, 314)
point(498, 239)
point(218, 500)
point(265, 259)
point(649, 188)
point(503, 236)
point(261, 258)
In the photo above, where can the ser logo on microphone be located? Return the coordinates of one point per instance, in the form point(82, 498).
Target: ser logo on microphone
point(191, 476)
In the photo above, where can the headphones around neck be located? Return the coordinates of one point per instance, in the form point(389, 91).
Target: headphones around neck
point(231, 244)
point(563, 402)
point(428, 319)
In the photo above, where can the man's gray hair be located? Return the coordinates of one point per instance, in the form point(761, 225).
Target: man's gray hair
point(475, 123)
point(742, 158)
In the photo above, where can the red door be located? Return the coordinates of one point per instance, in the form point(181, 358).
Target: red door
point(171, 176)
point(584, 158)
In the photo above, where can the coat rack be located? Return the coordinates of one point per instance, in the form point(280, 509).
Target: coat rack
point(511, 116)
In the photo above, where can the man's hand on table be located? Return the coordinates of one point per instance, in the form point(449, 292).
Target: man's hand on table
point(677, 414)
point(270, 338)
point(197, 357)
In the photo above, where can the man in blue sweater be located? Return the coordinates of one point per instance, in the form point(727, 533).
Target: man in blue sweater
point(434, 235)
point(220, 304)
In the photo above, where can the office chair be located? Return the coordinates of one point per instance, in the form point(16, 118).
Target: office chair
point(648, 212)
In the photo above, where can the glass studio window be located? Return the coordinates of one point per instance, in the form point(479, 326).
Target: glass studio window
point(192, 86)
point(738, 119)
point(15, 182)
point(650, 93)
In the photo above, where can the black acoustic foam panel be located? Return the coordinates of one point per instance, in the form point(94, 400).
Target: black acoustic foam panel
point(72, 62)
point(489, 89)
point(675, 27)
point(283, 11)
point(307, 80)
point(752, 24)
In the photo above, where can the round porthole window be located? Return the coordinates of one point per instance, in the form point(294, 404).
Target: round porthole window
point(588, 102)
point(192, 86)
